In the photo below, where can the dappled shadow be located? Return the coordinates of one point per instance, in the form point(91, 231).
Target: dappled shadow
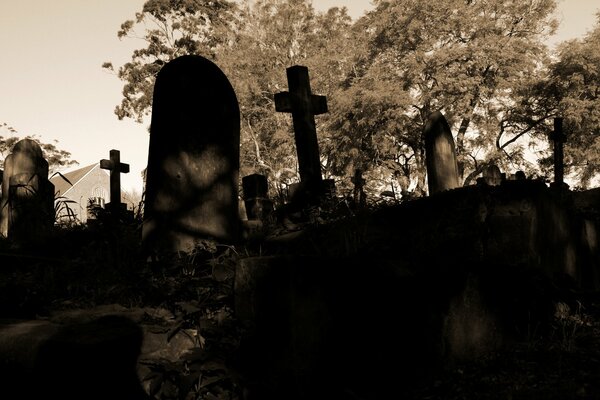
point(193, 161)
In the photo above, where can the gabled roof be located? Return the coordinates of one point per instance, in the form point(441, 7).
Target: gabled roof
point(61, 187)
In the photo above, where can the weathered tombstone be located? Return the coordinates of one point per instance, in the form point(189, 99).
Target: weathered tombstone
point(116, 167)
point(256, 198)
point(27, 196)
point(193, 160)
point(328, 191)
point(440, 155)
point(303, 106)
point(558, 139)
point(492, 175)
point(359, 194)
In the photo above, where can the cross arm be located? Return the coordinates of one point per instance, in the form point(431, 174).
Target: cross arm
point(318, 104)
point(283, 102)
point(108, 164)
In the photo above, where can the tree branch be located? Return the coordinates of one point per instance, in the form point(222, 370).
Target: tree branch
point(520, 134)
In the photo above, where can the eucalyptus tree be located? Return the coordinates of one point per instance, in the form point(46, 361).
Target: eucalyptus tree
point(570, 88)
point(463, 57)
point(56, 157)
point(253, 42)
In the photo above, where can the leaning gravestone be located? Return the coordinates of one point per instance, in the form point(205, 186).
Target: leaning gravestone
point(440, 155)
point(303, 105)
point(193, 159)
point(27, 196)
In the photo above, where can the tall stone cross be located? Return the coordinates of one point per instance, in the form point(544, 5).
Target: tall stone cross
point(116, 167)
point(303, 106)
point(558, 138)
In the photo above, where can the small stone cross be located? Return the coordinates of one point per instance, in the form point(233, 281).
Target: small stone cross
point(116, 167)
point(304, 106)
point(558, 138)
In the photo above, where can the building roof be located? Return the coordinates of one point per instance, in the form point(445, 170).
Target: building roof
point(61, 186)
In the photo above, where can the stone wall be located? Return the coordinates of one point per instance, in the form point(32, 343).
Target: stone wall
point(455, 275)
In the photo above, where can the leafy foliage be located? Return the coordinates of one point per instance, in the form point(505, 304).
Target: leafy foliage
point(568, 88)
point(465, 58)
point(57, 158)
point(253, 42)
point(482, 63)
point(173, 28)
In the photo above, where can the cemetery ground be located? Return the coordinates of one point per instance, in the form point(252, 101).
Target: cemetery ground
point(192, 337)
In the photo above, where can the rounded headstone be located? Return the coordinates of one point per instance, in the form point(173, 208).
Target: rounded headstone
point(27, 204)
point(492, 175)
point(440, 154)
point(193, 160)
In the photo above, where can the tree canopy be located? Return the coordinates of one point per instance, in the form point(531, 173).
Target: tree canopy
point(483, 63)
point(56, 157)
point(569, 87)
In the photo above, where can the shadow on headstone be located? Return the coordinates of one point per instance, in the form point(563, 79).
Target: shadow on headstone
point(193, 160)
point(27, 205)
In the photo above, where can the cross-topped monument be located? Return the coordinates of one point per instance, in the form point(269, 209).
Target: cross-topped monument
point(303, 105)
point(558, 138)
point(116, 167)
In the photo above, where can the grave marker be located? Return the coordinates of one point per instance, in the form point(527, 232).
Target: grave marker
point(558, 139)
point(256, 199)
point(303, 106)
point(27, 204)
point(193, 159)
point(520, 176)
point(440, 155)
point(359, 193)
point(116, 167)
point(492, 175)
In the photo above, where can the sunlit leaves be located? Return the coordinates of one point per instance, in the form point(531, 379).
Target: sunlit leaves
point(170, 28)
point(570, 88)
point(57, 158)
point(462, 57)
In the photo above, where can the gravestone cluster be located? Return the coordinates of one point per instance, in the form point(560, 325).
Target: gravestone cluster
point(193, 161)
point(27, 204)
point(192, 175)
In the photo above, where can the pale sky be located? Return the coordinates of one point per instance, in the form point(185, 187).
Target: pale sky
point(52, 83)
